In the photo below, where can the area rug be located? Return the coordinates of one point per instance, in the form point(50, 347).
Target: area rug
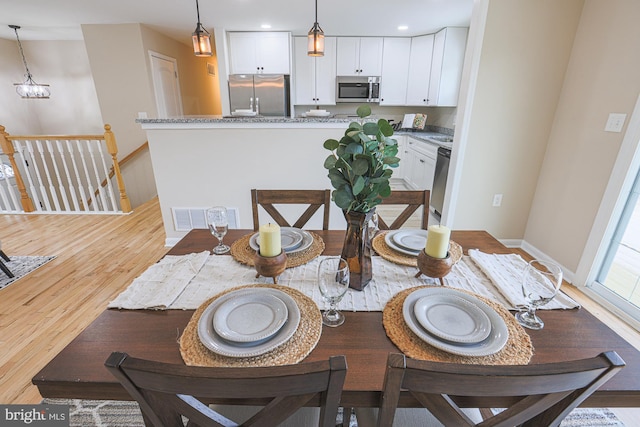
point(20, 266)
point(111, 413)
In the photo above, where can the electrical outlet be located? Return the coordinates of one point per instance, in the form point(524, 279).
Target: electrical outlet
point(497, 200)
point(615, 122)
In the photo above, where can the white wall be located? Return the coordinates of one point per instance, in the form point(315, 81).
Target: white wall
point(199, 168)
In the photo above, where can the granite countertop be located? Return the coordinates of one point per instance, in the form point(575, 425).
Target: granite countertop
point(241, 119)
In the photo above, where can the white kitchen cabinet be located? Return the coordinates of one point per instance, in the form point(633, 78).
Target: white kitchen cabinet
point(446, 66)
point(315, 76)
point(400, 171)
point(393, 82)
point(421, 165)
point(259, 52)
point(359, 56)
point(419, 70)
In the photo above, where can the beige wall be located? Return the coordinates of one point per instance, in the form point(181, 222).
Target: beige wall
point(603, 77)
point(525, 52)
point(64, 65)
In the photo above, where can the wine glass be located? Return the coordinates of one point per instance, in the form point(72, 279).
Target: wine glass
point(333, 281)
point(540, 284)
point(218, 225)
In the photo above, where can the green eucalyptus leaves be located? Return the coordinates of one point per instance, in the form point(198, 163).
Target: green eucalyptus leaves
point(360, 163)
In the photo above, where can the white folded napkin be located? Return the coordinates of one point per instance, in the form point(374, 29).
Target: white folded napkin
point(505, 271)
point(162, 283)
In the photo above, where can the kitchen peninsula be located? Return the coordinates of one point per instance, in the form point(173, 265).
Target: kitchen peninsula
point(199, 162)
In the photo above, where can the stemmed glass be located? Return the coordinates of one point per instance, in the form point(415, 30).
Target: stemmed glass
point(333, 281)
point(218, 225)
point(540, 283)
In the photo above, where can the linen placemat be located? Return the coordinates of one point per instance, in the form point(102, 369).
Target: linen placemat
point(517, 351)
point(303, 341)
point(381, 247)
point(242, 252)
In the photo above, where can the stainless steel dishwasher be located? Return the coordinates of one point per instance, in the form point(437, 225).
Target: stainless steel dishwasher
point(440, 181)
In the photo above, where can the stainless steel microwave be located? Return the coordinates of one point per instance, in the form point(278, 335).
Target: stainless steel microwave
point(357, 89)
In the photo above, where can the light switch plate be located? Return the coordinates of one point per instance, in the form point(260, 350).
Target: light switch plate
point(615, 122)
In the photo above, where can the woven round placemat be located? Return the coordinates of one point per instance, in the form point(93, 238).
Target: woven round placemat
point(242, 252)
point(385, 251)
point(303, 341)
point(517, 351)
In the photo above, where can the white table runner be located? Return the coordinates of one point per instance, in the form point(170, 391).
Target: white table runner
point(172, 283)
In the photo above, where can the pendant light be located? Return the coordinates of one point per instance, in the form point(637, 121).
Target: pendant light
point(29, 89)
point(315, 38)
point(201, 38)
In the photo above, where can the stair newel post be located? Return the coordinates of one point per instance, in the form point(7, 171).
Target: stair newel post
point(7, 148)
point(112, 147)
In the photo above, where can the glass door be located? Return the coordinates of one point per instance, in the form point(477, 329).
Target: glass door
point(620, 271)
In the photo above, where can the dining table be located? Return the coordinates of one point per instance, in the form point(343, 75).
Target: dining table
point(78, 371)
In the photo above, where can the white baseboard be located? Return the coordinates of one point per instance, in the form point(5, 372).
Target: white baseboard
point(538, 254)
point(171, 241)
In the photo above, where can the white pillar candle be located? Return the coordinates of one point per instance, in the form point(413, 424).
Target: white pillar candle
point(270, 240)
point(437, 241)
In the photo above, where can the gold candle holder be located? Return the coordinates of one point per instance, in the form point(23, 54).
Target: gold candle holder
point(272, 266)
point(434, 267)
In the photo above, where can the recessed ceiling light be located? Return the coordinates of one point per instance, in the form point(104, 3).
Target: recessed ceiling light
point(265, 26)
point(403, 27)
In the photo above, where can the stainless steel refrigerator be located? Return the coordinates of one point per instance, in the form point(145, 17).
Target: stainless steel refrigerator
point(266, 94)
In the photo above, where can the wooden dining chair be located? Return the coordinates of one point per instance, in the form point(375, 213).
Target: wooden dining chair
point(166, 392)
point(268, 198)
point(413, 199)
point(540, 395)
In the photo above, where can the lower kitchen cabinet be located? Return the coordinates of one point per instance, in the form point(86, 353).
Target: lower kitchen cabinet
point(420, 164)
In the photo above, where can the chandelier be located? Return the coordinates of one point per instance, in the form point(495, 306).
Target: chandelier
point(29, 88)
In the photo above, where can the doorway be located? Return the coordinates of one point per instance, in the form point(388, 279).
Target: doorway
point(164, 71)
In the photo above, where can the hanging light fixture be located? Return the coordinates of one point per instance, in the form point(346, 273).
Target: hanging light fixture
point(29, 89)
point(315, 39)
point(201, 38)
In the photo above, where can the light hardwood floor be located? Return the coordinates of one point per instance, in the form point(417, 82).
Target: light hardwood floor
point(97, 257)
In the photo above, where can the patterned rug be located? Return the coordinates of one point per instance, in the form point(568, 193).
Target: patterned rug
point(106, 413)
point(20, 266)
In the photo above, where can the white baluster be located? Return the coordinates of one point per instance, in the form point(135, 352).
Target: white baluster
point(61, 187)
point(24, 156)
point(97, 177)
point(81, 188)
point(106, 175)
point(72, 189)
point(87, 176)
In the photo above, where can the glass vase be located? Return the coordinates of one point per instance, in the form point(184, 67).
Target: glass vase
point(357, 249)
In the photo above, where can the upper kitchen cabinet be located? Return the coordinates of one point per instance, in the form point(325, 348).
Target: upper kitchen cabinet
point(259, 52)
point(315, 76)
point(446, 66)
point(393, 82)
point(420, 70)
point(359, 56)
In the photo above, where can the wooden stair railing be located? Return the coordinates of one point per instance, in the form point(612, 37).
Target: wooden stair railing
point(55, 145)
point(122, 162)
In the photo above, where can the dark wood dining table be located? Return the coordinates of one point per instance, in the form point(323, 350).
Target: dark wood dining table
point(78, 371)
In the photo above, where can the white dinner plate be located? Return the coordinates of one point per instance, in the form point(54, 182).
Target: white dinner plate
point(219, 345)
point(492, 344)
point(412, 240)
point(318, 113)
point(452, 318)
point(249, 316)
point(388, 238)
point(306, 240)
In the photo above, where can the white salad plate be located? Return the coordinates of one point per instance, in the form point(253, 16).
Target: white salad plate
point(214, 342)
point(289, 237)
point(412, 240)
point(249, 317)
point(452, 318)
point(492, 344)
point(388, 238)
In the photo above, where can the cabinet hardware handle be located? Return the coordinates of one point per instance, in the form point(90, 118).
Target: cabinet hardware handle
point(421, 161)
